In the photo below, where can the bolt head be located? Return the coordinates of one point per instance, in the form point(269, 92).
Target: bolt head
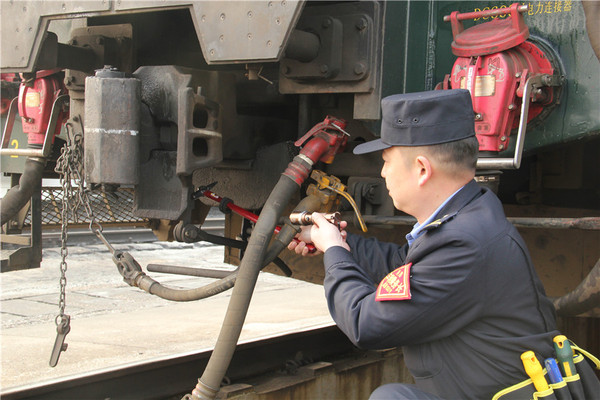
point(361, 24)
point(359, 68)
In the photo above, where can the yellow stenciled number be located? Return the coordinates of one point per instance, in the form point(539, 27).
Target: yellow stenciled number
point(15, 143)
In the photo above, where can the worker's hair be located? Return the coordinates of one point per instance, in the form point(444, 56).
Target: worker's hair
point(453, 157)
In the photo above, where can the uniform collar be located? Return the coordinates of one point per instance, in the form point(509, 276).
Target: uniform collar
point(446, 211)
point(462, 198)
point(419, 229)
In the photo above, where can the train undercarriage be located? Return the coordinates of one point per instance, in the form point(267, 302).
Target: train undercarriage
point(192, 105)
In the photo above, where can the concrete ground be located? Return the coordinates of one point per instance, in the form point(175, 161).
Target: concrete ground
point(114, 324)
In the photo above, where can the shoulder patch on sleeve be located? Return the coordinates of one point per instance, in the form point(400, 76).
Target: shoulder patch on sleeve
point(396, 285)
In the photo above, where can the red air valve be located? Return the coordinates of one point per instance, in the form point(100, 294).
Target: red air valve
point(36, 100)
point(494, 62)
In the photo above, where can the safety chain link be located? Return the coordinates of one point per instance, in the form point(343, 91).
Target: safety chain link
point(66, 165)
point(69, 166)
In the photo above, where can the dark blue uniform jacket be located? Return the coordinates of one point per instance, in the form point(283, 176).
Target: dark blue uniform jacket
point(476, 304)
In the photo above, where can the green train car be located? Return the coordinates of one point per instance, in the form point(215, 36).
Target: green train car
point(192, 102)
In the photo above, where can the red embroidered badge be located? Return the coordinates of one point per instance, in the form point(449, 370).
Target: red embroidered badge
point(395, 286)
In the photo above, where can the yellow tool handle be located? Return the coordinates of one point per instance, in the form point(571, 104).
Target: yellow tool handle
point(533, 368)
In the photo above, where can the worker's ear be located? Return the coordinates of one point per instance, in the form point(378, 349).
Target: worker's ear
point(423, 169)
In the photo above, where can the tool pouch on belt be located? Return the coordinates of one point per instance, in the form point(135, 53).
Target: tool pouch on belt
point(581, 386)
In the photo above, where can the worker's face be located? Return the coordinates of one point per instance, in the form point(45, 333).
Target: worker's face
point(399, 177)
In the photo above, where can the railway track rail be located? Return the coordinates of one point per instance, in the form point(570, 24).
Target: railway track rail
point(256, 365)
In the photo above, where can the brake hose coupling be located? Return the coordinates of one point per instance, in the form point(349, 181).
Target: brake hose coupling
point(306, 218)
point(324, 140)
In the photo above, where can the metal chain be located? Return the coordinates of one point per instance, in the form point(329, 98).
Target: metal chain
point(64, 166)
point(70, 168)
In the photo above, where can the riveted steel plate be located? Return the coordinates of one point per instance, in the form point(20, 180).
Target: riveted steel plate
point(228, 31)
point(242, 31)
point(25, 22)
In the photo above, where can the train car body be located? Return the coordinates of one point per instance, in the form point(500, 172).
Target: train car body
point(171, 97)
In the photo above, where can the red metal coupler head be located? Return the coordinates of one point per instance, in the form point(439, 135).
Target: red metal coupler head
point(328, 139)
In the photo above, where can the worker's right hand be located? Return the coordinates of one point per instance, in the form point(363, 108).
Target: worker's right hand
point(323, 234)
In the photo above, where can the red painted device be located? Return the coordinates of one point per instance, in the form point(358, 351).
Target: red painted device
point(35, 105)
point(494, 62)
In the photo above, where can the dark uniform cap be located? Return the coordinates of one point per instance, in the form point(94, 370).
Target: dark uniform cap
point(422, 119)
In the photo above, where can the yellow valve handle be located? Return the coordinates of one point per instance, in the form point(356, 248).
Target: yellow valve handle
point(333, 183)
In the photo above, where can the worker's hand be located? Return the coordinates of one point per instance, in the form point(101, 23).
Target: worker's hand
point(323, 234)
point(300, 245)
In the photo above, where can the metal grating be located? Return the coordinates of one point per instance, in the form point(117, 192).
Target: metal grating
point(112, 207)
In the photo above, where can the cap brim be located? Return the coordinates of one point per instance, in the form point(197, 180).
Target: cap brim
point(369, 147)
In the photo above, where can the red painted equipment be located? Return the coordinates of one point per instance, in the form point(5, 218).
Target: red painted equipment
point(36, 100)
point(494, 62)
point(329, 138)
point(240, 211)
point(323, 142)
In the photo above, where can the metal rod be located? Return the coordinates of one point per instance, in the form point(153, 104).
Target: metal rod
point(486, 13)
point(47, 147)
point(10, 121)
point(515, 162)
point(584, 223)
point(201, 272)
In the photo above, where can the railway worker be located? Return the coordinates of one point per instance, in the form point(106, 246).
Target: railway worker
point(462, 297)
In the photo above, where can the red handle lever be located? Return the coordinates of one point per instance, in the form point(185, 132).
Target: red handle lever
point(247, 214)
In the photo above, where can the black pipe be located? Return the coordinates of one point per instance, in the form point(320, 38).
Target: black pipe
point(584, 298)
point(134, 276)
point(208, 385)
point(16, 198)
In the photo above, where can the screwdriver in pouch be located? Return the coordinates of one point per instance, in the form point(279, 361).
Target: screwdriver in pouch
point(564, 354)
point(553, 371)
point(533, 368)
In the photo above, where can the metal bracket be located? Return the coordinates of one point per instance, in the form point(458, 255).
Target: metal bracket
point(532, 83)
point(47, 147)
